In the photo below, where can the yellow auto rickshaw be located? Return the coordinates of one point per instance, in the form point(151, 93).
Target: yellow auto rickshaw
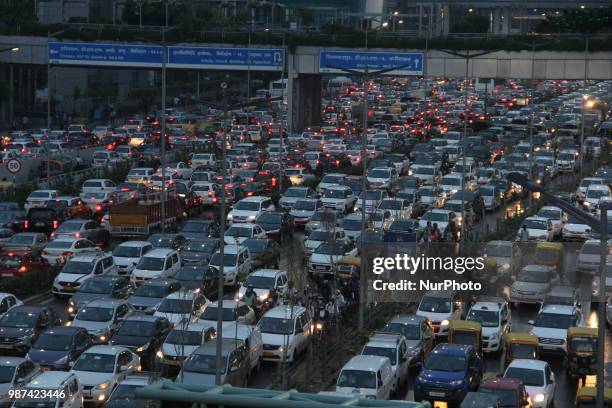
point(348, 268)
point(586, 397)
point(581, 358)
point(549, 254)
point(465, 332)
point(520, 345)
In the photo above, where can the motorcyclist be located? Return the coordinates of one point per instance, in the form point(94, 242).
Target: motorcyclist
point(250, 296)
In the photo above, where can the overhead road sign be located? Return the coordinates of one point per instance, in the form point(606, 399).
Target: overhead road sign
point(257, 59)
point(410, 63)
point(116, 55)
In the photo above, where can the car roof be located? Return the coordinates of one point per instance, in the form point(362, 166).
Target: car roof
point(183, 294)
point(365, 363)
point(10, 361)
point(408, 319)
point(142, 317)
point(267, 272)
point(528, 363)
point(558, 309)
point(452, 349)
point(256, 199)
point(284, 311)
point(49, 379)
point(105, 302)
point(210, 348)
point(500, 383)
point(105, 349)
point(135, 244)
point(445, 294)
point(159, 252)
point(63, 330)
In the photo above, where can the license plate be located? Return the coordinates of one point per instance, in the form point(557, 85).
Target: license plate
point(7, 274)
point(68, 288)
point(43, 368)
point(355, 391)
point(171, 362)
point(548, 348)
point(268, 354)
point(40, 224)
point(6, 346)
point(437, 394)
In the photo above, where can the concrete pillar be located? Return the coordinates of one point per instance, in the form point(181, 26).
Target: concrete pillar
point(420, 23)
point(505, 23)
point(304, 101)
point(290, 92)
point(445, 20)
point(496, 21)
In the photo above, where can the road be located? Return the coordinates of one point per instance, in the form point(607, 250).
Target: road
point(293, 261)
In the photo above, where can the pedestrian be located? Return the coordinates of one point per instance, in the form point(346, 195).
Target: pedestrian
point(524, 234)
point(435, 233)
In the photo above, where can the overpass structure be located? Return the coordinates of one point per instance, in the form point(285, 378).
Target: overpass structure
point(306, 65)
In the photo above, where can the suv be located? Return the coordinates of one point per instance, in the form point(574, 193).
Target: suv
point(148, 295)
point(551, 326)
point(393, 346)
point(78, 269)
point(143, 334)
point(248, 209)
point(78, 228)
point(440, 307)
point(449, 373)
point(101, 317)
point(156, 263)
point(510, 391)
point(182, 305)
point(339, 198)
point(58, 382)
point(285, 326)
point(183, 340)
point(418, 333)
point(42, 219)
point(237, 260)
point(128, 254)
point(494, 316)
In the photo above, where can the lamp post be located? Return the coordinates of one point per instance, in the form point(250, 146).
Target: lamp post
point(12, 49)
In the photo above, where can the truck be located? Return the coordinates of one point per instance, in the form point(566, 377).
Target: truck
point(137, 217)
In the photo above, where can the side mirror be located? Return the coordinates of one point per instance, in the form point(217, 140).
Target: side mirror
point(123, 368)
point(20, 380)
point(70, 363)
point(531, 322)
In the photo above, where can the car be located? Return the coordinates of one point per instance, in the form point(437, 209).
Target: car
point(7, 302)
point(124, 393)
point(78, 269)
point(156, 263)
point(538, 229)
point(400, 209)
point(367, 376)
point(449, 373)
point(372, 199)
point(26, 241)
point(57, 348)
point(339, 198)
point(494, 316)
point(418, 332)
point(202, 279)
point(551, 324)
point(143, 334)
point(237, 263)
point(21, 325)
point(182, 305)
point(233, 311)
point(43, 219)
point(440, 307)
point(59, 251)
point(506, 254)
point(440, 217)
point(101, 318)
point(263, 281)
point(238, 233)
point(319, 236)
point(575, 230)
point(199, 251)
point(264, 252)
point(276, 225)
point(248, 209)
point(150, 293)
point(330, 180)
point(56, 383)
point(79, 228)
point(200, 367)
point(285, 332)
point(324, 258)
point(99, 287)
point(16, 263)
point(15, 373)
point(538, 378)
point(395, 347)
point(304, 209)
point(169, 241)
point(183, 340)
point(37, 198)
point(556, 216)
point(100, 368)
point(198, 229)
point(589, 256)
point(511, 391)
point(293, 194)
point(532, 284)
point(352, 224)
point(127, 255)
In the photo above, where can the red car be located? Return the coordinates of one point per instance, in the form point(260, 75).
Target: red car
point(15, 263)
point(510, 391)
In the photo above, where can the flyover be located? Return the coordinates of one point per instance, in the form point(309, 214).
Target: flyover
point(304, 67)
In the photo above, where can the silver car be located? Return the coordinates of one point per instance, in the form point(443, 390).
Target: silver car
point(102, 317)
point(532, 284)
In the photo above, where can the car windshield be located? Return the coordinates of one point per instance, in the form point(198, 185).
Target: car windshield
point(247, 206)
point(357, 379)
point(487, 318)
point(441, 362)
point(204, 364)
point(450, 181)
point(39, 194)
point(9, 262)
point(78, 267)
point(330, 179)
point(379, 173)
point(410, 331)
point(204, 246)
point(97, 363)
point(180, 306)
point(584, 344)
point(136, 328)
point(194, 227)
point(535, 224)
point(127, 251)
point(388, 352)
point(435, 305)
point(237, 231)
point(550, 214)
point(435, 217)
point(20, 240)
point(151, 291)
point(41, 215)
point(529, 377)
point(228, 259)
point(256, 245)
point(425, 170)
point(95, 314)
point(320, 236)
point(276, 325)
point(97, 286)
point(555, 321)
point(190, 274)
point(331, 249)
point(19, 318)
point(507, 397)
point(390, 205)
point(6, 374)
point(597, 193)
point(260, 282)
point(47, 403)
point(305, 205)
point(270, 218)
point(523, 350)
point(184, 337)
point(501, 251)
point(124, 392)
point(69, 227)
point(527, 275)
point(211, 313)
point(334, 193)
point(296, 192)
point(161, 241)
point(59, 245)
point(351, 225)
point(53, 342)
point(151, 264)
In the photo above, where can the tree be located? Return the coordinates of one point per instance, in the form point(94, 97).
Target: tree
point(472, 24)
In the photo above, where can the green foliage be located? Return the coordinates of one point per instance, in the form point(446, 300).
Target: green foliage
point(579, 21)
point(472, 24)
point(18, 193)
point(30, 283)
point(68, 185)
point(118, 172)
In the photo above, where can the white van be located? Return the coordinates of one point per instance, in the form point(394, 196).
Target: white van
point(370, 376)
point(67, 387)
point(285, 326)
point(395, 347)
point(237, 260)
point(251, 336)
point(98, 185)
point(38, 198)
point(156, 263)
point(79, 269)
point(128, 254)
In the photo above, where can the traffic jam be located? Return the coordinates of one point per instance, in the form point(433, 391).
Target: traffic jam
point(138, 253)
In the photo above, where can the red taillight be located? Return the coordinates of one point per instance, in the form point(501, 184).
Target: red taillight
point(23, 269)
point(55, 224)
point(210, 194)
point(67, 253)
point(98, 208)
point(26, 224)
point(250, 193)
point(77, 235)
point(52, 234)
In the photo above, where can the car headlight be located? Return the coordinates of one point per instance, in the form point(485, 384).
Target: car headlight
point(62, 360)
point(456, 383)
point(71, 303)
point(230, 216)
point(70, 309)
point(505, 266)
point(240, 295)
point(159, 354)
point(251, 217)
point(539, 398)
point(142, 348)
point(264, 296)
point(102, 386)
point(444, 322)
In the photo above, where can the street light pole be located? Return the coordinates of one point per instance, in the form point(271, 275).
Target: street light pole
point(163, 131)
point(364, 186)
point(464, 143)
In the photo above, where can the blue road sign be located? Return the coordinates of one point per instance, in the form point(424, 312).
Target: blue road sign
point(411, 63)
point(117, 55)
point(258, 59)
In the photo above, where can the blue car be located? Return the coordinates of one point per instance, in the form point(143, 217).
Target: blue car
point(449, 373)
point(58, 347)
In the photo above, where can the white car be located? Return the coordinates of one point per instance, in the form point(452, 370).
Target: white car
point(98, 185)
point(202, 159)
point(7, 302)
point(339, 198)
point(382, 177)
point(62, 249)
point(538, 378)
point(329, 180)
point(428, 174)
point(248, 209)
point(234, 311)
point(285, 332)
point(440, 307)
point(263, 281)
point(395, 347)
point(538, 229)
point(595, 194)
point(556, 216)
point(127, 255)
point(437, 216)
point(38, 198)
point(451, 183)
point(238, 233)
point(575, 230)
point(586, 182)
point(183, 340)
point(494, 316)
point(293, 194)
point(551, 324)
point(373, 199)
point(236, 260)
point(400, 209)
point(321, 235)
point(100, 368)
point(80, 268)
point(182, 305)
point(327, 255)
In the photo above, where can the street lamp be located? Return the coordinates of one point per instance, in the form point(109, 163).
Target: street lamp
point(12, 49)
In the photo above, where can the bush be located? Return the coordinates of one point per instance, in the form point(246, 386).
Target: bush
point(18, 193)
point(31, 283)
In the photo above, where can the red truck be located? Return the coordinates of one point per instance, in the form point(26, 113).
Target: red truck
point(137, 217)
